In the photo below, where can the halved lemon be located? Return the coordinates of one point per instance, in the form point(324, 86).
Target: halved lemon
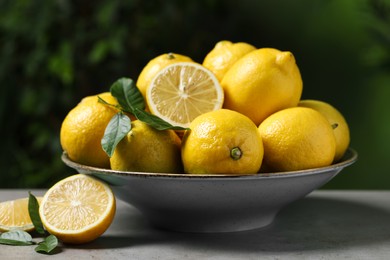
point(183, 91)
point(14, 215)
point(78, 209)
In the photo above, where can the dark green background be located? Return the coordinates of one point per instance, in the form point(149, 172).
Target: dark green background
point(53, 53)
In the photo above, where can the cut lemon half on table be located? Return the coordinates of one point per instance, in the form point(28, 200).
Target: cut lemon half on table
point(14, 215)
point(78, 209)
point(182, 91)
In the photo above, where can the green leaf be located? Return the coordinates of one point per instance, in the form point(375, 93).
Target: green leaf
point(33, 210)
point(128, 95)
point(47, 245)
point(130, 100)
point(16, 237)
point(116, 130)
point(155, 121)
point(11, 242)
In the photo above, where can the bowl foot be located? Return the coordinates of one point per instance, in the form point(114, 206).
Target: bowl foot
point(209, 224)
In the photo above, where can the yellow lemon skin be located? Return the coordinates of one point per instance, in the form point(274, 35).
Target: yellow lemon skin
point(261, 83)
point(222, 142)
point(224, 55)
point(146, 149)
point(337, 120)
point(83, 128)
point(297, 138)
point(154, 66)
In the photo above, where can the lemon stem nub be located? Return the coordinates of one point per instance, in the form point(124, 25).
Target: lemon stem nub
point(171, 56)
point(235, 153)
point(334, 126)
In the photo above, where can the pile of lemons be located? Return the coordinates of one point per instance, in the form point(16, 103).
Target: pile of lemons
point(242, 107)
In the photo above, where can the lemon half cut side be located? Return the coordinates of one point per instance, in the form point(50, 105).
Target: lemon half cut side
point(183, 91)
point(14, 215)
point(78, 209)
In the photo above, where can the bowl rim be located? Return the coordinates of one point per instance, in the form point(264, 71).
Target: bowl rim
point(349, 158)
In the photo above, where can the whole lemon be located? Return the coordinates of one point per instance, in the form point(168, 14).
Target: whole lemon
point(262, 82)
point(297, 138)
point(224, 55)
point(146, 149)
point(154, 66)
point(336, 119)
point(83, 128)
point(222, 142)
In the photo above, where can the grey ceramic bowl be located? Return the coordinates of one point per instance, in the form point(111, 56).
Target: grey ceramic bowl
point(213, 203)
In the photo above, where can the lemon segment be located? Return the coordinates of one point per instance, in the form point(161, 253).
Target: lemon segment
point(14, 215)
point(78, 209)
point(183, 91)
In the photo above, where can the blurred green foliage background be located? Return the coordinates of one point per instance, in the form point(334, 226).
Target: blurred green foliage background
point(54, 52)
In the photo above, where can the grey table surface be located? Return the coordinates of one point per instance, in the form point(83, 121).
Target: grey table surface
point(326, 224)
